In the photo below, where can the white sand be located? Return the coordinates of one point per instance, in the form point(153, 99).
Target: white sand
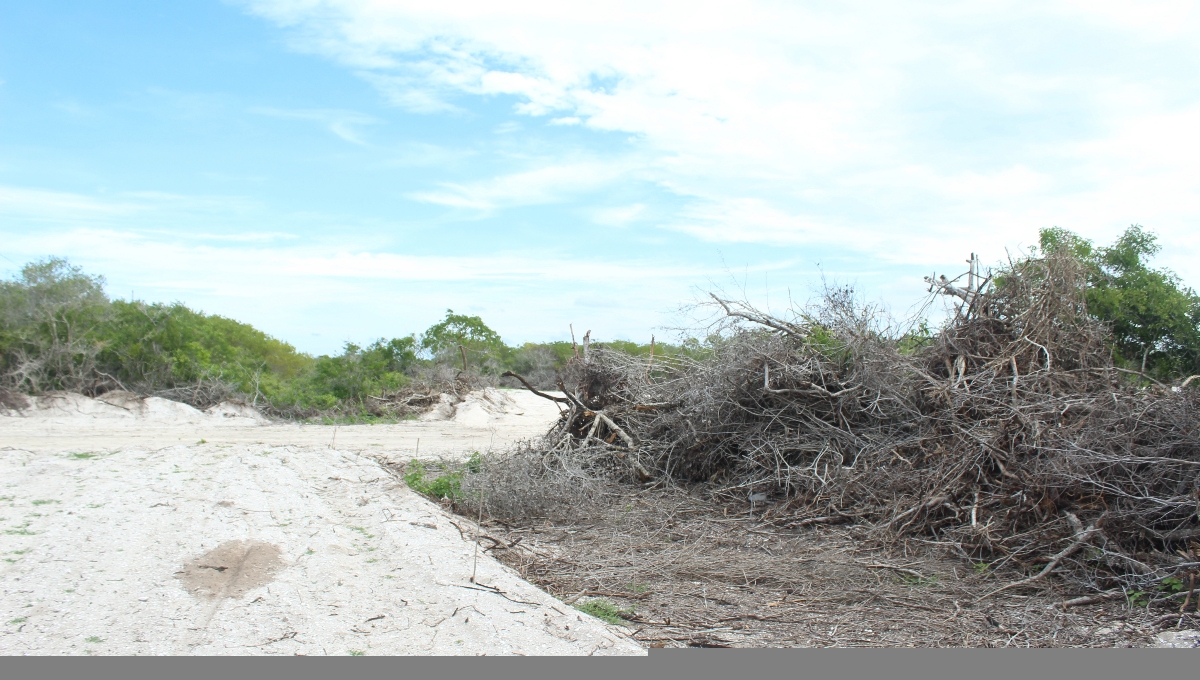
point(71, 422)
point(105, 505)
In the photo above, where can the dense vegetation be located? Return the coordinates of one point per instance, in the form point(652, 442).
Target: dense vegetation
point(60, 331)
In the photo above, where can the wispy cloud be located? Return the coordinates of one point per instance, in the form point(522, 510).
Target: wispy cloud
point(546, 184)
point(788, 118)
point(344, 124)
point(60, 205)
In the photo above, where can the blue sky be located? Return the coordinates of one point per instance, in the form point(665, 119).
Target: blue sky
point(342, 170)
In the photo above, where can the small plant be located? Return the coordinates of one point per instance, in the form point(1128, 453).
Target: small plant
point(45, 502)
point(19, 619)
point(95, 639)
point(22, 530)
point(1139, 598)
point(919, 581)
point(1171, 584)
point(83, 456)
point(605, 611)
point(981, 567)
point(446, 486)
point(21, 552)
point(637, 587)
point(357, 652)
point(363, 531)
point(202, 441)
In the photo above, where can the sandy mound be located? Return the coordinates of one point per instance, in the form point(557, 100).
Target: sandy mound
point(127, 407)
point(481, 408)
point(58, 405)
point(237, 414)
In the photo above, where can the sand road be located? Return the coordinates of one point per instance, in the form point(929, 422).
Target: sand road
point(123, 534)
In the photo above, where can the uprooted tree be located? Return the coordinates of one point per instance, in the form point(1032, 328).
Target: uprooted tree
point(1011, 435)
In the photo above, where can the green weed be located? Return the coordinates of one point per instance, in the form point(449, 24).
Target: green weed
point(919, 581)
point(606, 611)
point(446, 485)
point(357, 652)
point(20, 619)
point(85, 455)
point(45, 502)
point(1171, 584)
point(95, 639)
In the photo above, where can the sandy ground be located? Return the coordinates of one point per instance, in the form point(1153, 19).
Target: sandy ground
point(125, 535)
point(74, 423)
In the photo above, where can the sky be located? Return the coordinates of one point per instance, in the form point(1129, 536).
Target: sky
point(345, 170)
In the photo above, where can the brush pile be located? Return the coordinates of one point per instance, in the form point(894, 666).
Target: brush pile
point(1010, 436)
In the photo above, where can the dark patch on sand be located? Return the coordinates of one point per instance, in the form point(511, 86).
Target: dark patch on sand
point(232, 569)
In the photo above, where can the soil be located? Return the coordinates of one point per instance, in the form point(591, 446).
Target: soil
point(685, 570)
point(125, 533)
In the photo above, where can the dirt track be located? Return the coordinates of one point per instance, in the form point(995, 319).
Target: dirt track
point(125, 535)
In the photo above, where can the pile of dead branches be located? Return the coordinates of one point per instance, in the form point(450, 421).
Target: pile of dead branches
point(1009, 436)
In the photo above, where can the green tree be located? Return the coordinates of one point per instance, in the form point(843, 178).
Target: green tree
point(1155, 319)
point(483, 345)
point(49, 317)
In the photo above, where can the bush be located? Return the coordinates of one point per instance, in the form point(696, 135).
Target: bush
point(50, 317)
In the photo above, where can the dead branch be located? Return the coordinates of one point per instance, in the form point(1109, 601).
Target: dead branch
point(531, 388)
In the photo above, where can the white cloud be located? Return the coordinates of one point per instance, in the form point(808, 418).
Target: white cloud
point(618, 216)
point(919, 129)
point(547, 184)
